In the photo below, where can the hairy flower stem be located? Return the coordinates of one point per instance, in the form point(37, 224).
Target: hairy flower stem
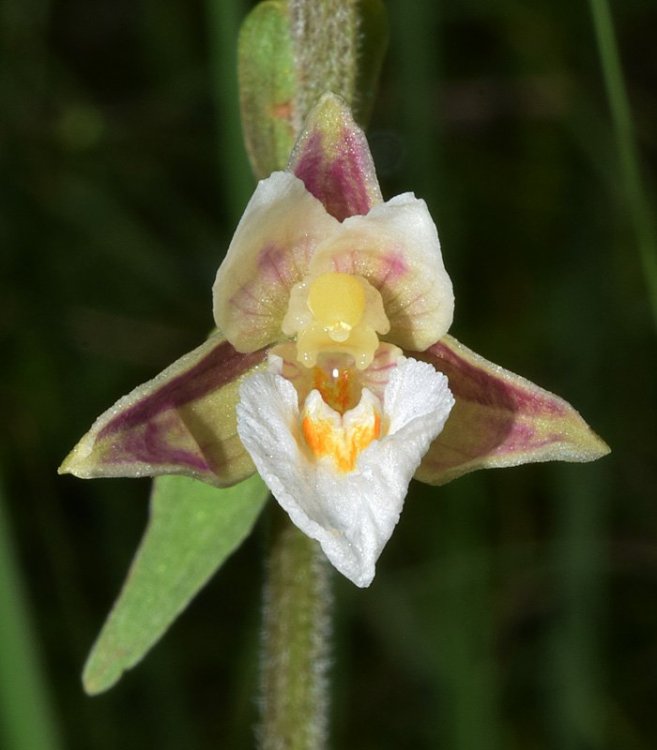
point(325, 37)
point(295, 648)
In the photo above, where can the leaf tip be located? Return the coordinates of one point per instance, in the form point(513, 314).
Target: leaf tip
point(98, 677)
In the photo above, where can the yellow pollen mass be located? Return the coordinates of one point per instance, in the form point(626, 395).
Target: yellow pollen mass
point(337, 302)
point(335, 313)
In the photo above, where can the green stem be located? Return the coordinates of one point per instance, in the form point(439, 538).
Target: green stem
point(325, 37)
point(295, 653)
point(626, 143)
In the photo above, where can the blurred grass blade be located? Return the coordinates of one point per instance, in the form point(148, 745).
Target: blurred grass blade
point(26, 720)
point(575, 661)
point(422, 107)
point(465, 626)
point(642, 221)
point(192, 530)
point(236, 182)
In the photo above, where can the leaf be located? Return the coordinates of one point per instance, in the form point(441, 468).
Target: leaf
point(500, 419)
point(193, 528)
point(180, 422)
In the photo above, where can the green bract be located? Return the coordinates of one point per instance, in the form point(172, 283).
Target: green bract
point(288, 57)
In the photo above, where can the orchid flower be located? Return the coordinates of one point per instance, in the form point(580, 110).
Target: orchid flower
point(332, 372)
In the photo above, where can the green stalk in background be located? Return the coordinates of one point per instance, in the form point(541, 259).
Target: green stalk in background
point(577, 636)
point(26, 717)
point(296, 632)
point(635, 196)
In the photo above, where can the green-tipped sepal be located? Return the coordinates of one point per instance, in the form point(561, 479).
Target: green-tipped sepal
point(500, 419)
point(181, 422)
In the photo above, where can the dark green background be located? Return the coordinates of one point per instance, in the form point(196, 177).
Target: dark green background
point(512, 609)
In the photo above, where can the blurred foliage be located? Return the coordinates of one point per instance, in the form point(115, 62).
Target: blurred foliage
point(511, 609)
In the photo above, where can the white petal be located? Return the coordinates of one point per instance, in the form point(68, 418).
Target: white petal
point(268, 255)
point(396, 248)
point(351, 514)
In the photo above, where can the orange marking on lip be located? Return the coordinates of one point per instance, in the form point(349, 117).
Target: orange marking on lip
point(344, 445)
point(338, 386)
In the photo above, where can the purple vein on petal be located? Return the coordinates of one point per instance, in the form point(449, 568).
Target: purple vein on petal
point(155, 443)
point(500, 419)
point(181, 422)
point(222, 365)
point(474, 384)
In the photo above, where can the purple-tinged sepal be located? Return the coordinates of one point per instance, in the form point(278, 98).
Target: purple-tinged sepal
point(500, 419)
point(270, 252)
point(181, 422)
point(334, 162)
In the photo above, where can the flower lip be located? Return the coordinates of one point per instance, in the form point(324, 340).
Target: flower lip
point(340, 438)
point(352, 513)
point(335, 375)
point(338, 384)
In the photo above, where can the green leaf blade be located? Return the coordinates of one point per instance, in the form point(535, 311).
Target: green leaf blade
point(193, 529)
